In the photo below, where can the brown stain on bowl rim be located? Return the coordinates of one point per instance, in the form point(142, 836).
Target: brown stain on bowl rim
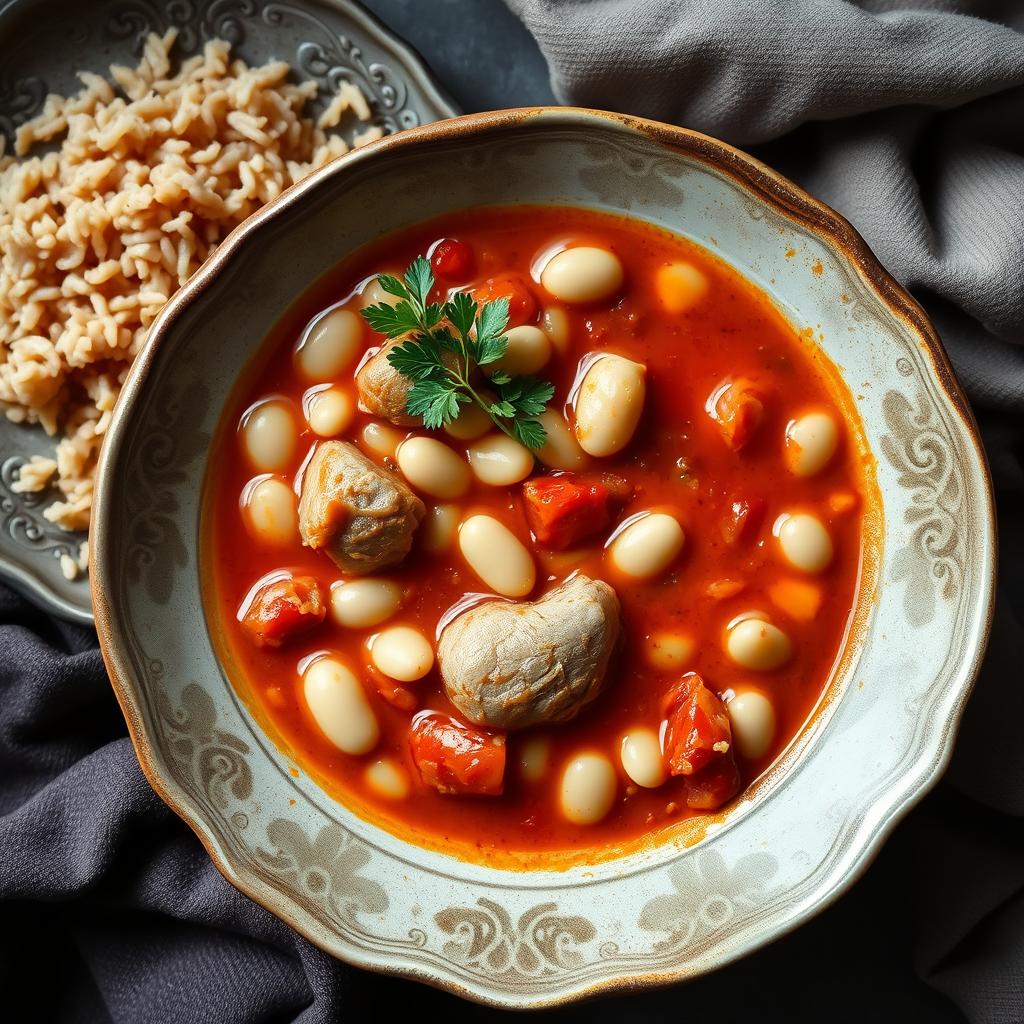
point(754, 177)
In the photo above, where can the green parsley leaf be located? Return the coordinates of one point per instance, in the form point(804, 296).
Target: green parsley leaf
point(493, 320)
point(433, 315)
point(503, 409)
point(419, 279)
point(490, 349)
point(392, 320)
point(528, 395)
point(418, 358)
point(437, 401)
point(447, 340)
point(530, 433)
point(461, 310)
point(476, 335)
point(393, 286)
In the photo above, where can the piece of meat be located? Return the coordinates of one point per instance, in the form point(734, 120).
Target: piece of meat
point(361, 515)
point(736, 408)
point(383, 391)
point(455, 758)
point(566, 509)
point(514, 664)
point(282, 610)
point(697, 730)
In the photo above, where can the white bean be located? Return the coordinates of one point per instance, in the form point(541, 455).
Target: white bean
point(680, 286)
point(402, 653)
point(641, 758)
point(441, 527)
point(647, 546)
point(381, 439)
point(669, 652)
point(373, 295)
point(338, 704)
point(330, 345)
point(804, 541)
point(388, 779)
point(433, 468)
point(497, 556)
point(582, 274)
point(560, 450)
point(811, 441)
point(609, 404)
point(529, 350)
point(329, 412)
point(471, 423)
point(753, 723)
point(758, 645)
point(270, 435)
point(499, 461)
point(588, 788)
point(360, 604)
point(271, 513)
point(534, 758)
point(555, 323)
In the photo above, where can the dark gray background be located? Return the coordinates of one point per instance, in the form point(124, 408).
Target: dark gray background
point(479, 51)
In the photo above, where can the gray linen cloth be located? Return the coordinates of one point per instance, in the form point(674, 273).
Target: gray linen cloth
point(904, 115)
point(907, 116)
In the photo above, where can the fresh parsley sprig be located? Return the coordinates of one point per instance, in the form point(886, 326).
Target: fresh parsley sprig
point(449, 341)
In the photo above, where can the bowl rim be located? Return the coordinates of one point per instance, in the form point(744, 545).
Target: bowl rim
point(768, 185)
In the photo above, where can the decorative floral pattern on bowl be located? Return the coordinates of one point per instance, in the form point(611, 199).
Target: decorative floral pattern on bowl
point(44, 42)
point(801, 835)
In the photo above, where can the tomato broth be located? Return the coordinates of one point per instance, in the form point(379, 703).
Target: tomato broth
point(730, 503)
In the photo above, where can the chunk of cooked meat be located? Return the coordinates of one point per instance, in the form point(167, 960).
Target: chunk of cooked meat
point(513, 664)
point(361, 515)
point(566, 509)
point(382, 389)
point(282, 610)
point(456, 758)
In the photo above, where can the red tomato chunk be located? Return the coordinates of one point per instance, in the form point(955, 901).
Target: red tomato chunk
point(452, 260)
point(743, 519)
point(737, 409)
point(698, 730)
point(522, 306)
point(698, 744)
point(457, 759)
point(715, 785)
point(564, 510)
point(283, 610)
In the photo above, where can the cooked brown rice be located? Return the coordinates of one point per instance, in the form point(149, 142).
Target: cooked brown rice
point(152, 172)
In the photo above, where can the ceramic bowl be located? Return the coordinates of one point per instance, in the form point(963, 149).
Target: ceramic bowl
point(680, 907)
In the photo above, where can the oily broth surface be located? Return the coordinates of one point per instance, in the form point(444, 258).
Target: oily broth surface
point(735, 331)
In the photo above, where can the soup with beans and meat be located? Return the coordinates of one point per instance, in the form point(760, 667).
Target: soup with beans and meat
point(535, 530)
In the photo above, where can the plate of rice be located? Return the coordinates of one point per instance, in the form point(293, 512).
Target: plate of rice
point(134, 136)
